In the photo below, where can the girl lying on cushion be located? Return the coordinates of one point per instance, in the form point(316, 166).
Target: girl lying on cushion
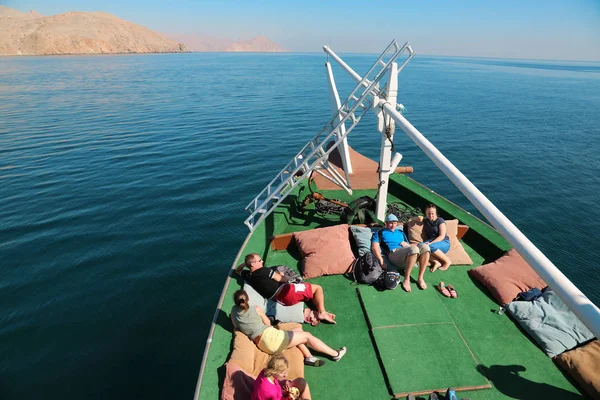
point(253, 322)
point(271, 383)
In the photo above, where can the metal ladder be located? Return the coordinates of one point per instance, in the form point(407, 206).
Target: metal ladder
point(314, 156)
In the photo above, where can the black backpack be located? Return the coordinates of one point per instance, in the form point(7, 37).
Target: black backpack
point(360, 211)
point(291, 275)
point(367, 269)
point(388, 280)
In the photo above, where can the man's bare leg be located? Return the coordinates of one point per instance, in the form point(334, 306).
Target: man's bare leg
point(319, 300)
point(409, 264)
point(423, 261)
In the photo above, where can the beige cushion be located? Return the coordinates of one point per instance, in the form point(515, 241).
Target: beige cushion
point(325, 251)
point(583, 364)
point(508, 276)
point(457, 253)
point(414, 230)
point(238, 383)
point(252, 360)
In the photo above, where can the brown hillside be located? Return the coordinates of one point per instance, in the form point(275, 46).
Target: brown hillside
point(77, 33)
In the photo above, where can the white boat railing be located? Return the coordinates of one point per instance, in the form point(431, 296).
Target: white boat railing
point(587, 312)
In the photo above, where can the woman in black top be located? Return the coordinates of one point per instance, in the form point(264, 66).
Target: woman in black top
point(434, 229)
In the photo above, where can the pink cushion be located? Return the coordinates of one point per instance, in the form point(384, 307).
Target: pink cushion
point(325, 251)
point(583, 364)
point(238, 383)
point(457, 253)
point(506, 277)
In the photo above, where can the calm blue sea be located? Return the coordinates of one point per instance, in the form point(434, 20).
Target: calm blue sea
point(123, 181)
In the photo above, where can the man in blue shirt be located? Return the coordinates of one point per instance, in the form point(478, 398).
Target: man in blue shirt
point(392, 241)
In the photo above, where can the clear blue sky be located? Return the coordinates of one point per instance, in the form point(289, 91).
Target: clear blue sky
point(547, 29)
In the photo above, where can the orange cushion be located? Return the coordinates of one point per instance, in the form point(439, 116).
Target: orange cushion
point(508, 276)
point(238, 383)
point(457, 253)
point(325, 251)
point(583, 364)
point(414, 230)
point(252, 360)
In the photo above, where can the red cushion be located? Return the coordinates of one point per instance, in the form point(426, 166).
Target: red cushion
point(238, 383)
point(325, 251)
point(506, 277)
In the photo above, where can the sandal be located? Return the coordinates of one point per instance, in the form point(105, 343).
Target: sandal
point(314, 362)
point(443, 290)
point(452, 291)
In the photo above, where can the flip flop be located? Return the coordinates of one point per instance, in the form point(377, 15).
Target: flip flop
point(451, 394)
point(452, 291)
point(443, 290)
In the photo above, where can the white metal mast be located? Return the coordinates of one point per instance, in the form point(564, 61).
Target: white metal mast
point(315, 155)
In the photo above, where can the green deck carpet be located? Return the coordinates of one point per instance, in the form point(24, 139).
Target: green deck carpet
point(417, 344)
point(396, 307)
point(357, 375)
point(419, 359)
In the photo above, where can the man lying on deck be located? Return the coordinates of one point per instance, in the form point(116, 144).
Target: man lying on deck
point(273, 285)
point(399, 251)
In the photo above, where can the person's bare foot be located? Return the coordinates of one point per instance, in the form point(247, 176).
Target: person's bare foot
point(406, 286)
point(434, 265)
point(445, 267)
point(327, 317)
point(421, 284)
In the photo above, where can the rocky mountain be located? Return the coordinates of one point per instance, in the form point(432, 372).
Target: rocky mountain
point(202, 43)
point(77, 33)
point(258, 44)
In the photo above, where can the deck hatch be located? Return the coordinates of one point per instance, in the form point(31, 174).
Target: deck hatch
point(422, 358)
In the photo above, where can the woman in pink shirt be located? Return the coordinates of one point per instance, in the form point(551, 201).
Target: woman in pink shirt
point(271, 383)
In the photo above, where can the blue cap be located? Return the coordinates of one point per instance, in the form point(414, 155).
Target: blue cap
point(391, 218)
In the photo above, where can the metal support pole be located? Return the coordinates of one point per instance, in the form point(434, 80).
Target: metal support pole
point(385, 154)
point(335, 102)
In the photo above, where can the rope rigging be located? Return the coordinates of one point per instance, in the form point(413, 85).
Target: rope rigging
point(403, 211)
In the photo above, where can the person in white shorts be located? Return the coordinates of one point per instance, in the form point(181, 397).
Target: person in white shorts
point(392, 242)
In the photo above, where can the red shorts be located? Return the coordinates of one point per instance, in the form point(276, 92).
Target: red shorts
point(294, 293)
